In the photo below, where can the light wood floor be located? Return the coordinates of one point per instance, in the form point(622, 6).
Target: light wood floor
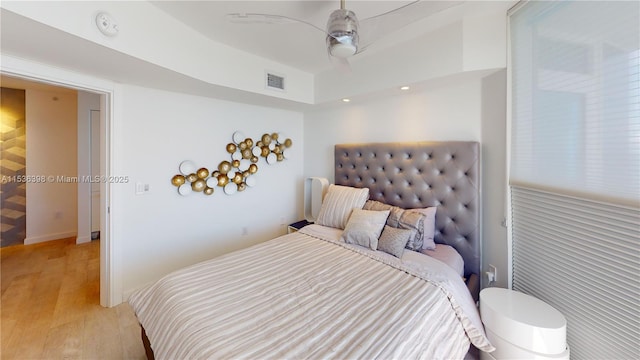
point(50, 306)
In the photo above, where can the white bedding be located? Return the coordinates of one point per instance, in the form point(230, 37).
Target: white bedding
point(307, 295)
point(448, 255)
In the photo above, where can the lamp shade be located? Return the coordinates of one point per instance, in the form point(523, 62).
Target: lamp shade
point(314, 190)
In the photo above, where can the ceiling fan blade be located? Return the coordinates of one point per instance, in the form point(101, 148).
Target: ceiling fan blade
point(341, 64)
point(252, 18)
point(378, 26)
point(269, 19)
point(392, 11)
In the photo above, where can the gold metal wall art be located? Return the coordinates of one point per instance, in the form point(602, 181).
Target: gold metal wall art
point(236, 174)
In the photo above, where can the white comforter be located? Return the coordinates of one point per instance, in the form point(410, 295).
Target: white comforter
point(307, 295)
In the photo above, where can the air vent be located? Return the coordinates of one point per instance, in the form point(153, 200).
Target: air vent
point(275, 82)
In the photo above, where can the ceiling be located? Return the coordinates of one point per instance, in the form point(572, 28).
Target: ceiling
point(292, 44)
point(303, 46)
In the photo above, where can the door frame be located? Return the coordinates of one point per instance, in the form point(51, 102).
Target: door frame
point(110, 282)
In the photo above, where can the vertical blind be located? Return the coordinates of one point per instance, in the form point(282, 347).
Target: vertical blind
point(575, 168)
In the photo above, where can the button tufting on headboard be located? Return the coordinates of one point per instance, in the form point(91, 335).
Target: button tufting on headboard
point(423, 174)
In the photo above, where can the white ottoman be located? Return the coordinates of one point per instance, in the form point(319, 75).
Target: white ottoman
point(521, 326)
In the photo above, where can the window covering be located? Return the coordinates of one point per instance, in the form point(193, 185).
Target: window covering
point(575, 168)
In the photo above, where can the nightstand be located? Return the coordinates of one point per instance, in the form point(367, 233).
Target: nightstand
point(522, 327)
point(297, 226)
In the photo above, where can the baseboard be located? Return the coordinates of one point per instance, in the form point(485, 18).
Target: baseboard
point(49, 237)
point(83, 239)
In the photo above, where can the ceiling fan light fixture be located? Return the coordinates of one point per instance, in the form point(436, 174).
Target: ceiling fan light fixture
point(342, 30)
point(342, 49)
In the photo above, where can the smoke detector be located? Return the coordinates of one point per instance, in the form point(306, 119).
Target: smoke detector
point(107, 24)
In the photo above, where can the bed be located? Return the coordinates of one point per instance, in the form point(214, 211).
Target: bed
point(312, 294)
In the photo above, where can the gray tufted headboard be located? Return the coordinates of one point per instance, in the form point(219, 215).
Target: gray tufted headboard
point(423, 174)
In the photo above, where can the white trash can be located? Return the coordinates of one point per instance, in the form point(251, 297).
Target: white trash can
point(522, 327)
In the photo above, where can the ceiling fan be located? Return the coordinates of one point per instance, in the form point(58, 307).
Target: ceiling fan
point(345, 35)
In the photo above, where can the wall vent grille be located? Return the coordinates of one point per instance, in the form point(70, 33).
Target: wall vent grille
point(275, 81)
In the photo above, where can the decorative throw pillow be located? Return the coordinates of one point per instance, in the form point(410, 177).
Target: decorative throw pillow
point(364, 227)
point(393, 240)
point(338, 204)
point(429, 227)
point(402, 219)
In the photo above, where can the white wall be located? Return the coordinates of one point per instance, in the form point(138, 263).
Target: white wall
point(161, 231)
point(484, 43)
point(447, 112)
point(51, 119)
point(494, 176)
point(470, 109)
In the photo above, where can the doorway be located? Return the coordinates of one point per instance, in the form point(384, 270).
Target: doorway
point(27, 71)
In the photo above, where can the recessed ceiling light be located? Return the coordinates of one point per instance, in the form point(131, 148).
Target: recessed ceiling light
point(346, 100)
point(405, 88)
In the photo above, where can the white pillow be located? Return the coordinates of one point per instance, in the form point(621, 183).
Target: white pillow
point(338, 204)
point(429, 227)
point(364, 227)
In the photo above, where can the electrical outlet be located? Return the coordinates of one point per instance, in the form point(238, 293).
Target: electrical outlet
point(142, 188)
point(492, 274)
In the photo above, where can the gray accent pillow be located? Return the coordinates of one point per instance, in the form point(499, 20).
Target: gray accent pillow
point(393, 240)
point(429, 227)
point(402, 219)
point(364, 227)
